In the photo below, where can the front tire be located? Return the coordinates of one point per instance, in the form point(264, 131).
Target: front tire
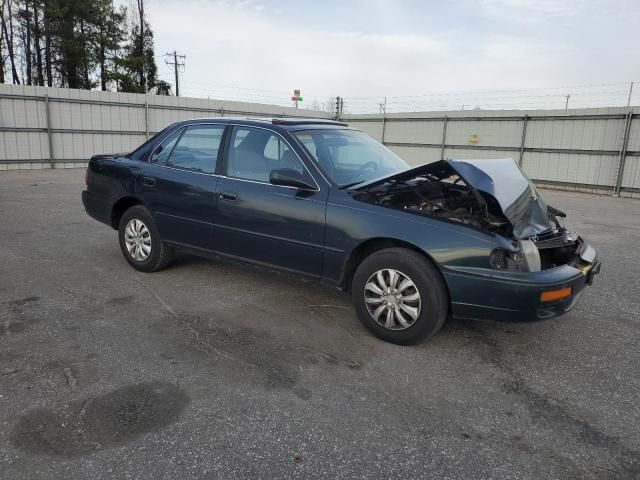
point(140, 241)
point(399, 295)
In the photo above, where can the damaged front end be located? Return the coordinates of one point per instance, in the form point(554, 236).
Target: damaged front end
point(490, 195)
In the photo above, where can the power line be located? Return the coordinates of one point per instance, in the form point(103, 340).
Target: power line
point(235, 87)
point(239, 94)
point(471, 92)
point(178, 61)
point(501, 97)
point(581, 96)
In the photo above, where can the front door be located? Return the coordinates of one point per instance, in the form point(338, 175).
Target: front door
point(270, 224)
point(179, 185)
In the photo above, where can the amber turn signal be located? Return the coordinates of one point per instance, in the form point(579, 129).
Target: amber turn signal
point(552, 295)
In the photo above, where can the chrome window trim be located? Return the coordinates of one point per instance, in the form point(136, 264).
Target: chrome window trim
point(317, 189)
point(184, 127)
point(188, 171)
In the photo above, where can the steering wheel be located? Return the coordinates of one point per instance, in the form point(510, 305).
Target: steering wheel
point(369, 166)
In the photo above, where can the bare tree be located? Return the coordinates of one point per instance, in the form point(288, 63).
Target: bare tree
point(2, 57)
point(36, 43)
point(7, 31)
point(24, 17)
point(315, 105)
point(323, 106)
point(27, 49)
point(47, 45)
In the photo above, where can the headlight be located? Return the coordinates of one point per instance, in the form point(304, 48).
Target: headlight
point(525, 260)
point(502, 259)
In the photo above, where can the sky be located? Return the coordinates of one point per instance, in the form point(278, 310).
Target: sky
point(421, 55)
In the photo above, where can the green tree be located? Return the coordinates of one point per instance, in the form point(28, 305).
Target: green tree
point(108, 36)
point(139, 73)
point(78, 44)
point(70, 30)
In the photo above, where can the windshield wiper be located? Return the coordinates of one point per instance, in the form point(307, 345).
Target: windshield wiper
point(349, 185)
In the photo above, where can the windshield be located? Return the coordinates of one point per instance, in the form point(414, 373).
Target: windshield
point(349, 157)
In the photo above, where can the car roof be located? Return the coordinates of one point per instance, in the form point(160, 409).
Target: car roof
point(286, 123)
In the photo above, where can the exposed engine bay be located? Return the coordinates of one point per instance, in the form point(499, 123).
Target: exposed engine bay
point(438, 190)
point(440, 194)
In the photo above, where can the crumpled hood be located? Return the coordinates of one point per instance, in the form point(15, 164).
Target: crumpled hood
point(517, 196)
point(502, 179)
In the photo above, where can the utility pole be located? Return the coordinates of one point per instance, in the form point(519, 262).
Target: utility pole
point(630, 92)
point(566, 104)
point(339, 107)
point(178, 61)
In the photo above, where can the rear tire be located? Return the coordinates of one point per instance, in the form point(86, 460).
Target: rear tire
point(140, 241)
point(399, 295)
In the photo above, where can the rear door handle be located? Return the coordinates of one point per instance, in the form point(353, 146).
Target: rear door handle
point(149, 181)
point(228, 196)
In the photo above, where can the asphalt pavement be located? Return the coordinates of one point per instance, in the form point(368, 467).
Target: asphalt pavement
point(212, 369)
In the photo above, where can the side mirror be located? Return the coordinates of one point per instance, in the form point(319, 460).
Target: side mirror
point(290, 178)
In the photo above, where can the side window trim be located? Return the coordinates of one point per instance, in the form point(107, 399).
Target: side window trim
point(224, 170)
point(191, 129)
point(219, 158)
point(164, 138)
point(184, 129)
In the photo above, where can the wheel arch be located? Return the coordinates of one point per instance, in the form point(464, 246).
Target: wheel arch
point(373, 245)
point(122, 205)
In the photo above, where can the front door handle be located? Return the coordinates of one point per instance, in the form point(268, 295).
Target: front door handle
point(149, 181)
point(228, 196)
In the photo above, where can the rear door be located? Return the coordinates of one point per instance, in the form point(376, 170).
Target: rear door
point(267, 223)
point(179, 185)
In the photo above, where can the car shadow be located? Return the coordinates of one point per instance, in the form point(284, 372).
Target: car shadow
point(334, 307)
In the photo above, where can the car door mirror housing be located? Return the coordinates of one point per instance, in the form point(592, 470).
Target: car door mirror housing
point(289, 177)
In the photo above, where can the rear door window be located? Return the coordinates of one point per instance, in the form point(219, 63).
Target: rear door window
point(195, 148)
point(161, 154)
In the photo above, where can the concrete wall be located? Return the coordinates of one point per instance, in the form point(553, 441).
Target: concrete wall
point(595, 150)
point(81, 123)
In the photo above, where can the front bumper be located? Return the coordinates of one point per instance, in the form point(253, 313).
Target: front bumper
point(478, 293)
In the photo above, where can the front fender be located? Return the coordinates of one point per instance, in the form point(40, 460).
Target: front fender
point(350, 223)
